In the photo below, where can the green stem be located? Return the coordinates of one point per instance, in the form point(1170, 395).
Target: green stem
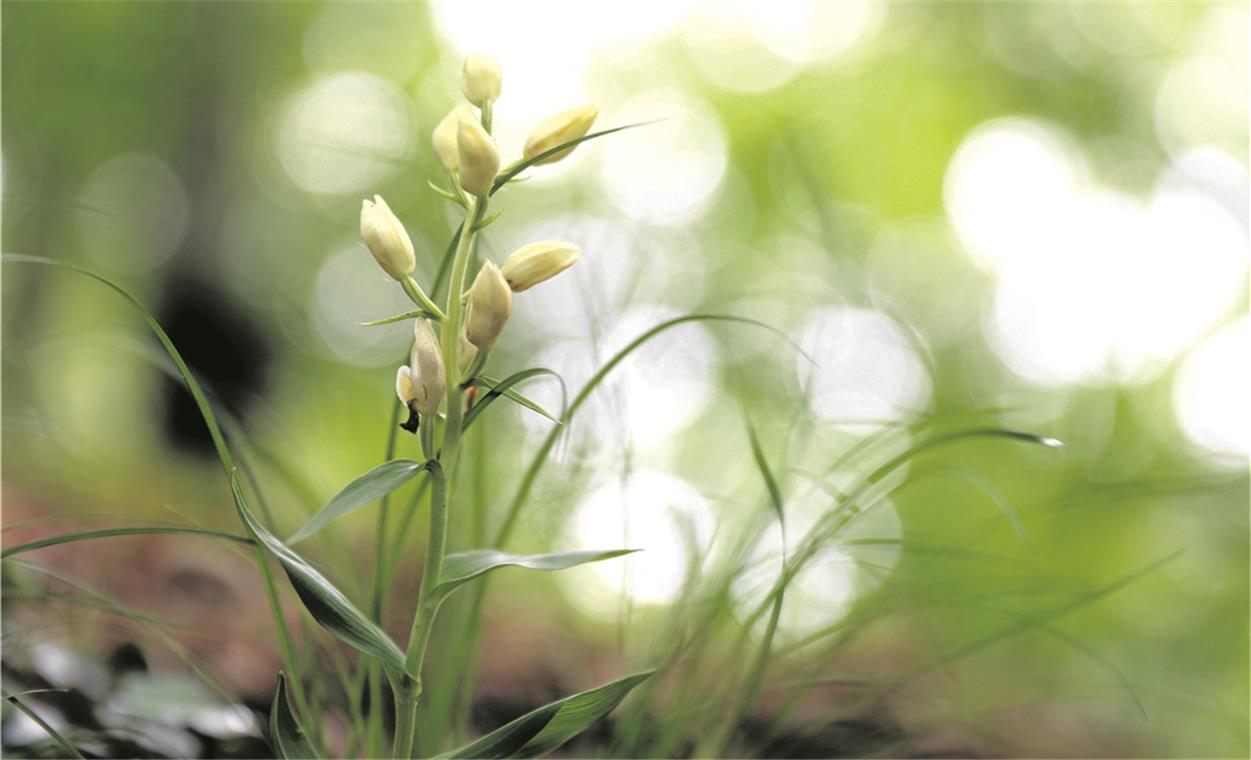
point(441, 477)
point(407, 692)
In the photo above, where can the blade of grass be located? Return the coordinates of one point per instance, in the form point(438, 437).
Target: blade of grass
point(52, 732)
point(89, 535)
point(219, 444)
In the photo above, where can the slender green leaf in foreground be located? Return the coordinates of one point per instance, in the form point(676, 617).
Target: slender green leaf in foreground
point(504, 388)
point(284, 730)
point(88, 535)
point(462, 567)
point(366, 489)
point(328, 606)
point(29, 713)
point(219, 444)
point(548, 730)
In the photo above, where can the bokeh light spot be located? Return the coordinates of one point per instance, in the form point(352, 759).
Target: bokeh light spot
point(345, 133)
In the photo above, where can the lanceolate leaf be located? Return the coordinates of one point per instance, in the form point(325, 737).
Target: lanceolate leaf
point(509, 172)
point(366, 489)
point(462, 567)
point(504, 388)
point(552, 725)
point(414, 314)
point(328, 606)
point(284, 730)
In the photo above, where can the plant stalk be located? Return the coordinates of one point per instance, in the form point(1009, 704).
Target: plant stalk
point(409, 692)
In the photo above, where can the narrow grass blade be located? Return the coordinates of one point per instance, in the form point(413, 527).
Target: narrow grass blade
point(504, 388)
point(224, 455)
point(65, 744)
point(88, 535)
point(414, 314)
point(288, 738)
point(462, 567)
point(571, 716)
point(771, 483)
point(521, 166)
point(540, 457)
point(1002, 502)
point(328, 606)
point(364, 490)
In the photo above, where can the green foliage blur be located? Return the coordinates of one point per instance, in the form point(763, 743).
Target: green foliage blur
point(212, 157)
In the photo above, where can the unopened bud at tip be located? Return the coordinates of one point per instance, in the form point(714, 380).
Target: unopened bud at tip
point(480, 79)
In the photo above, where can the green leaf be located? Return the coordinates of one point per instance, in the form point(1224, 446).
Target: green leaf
point(65, 744)
point(366, 489)
point(88, 535)
point(288, 738)
point(519, 167)
point(414, 314)
point(462, 567)
point(552, 725)
point(328, 606)
point(504, 388)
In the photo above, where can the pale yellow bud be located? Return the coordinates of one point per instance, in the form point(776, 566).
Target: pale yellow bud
point(444, 137)
point(420, 384)
point(480, 79)
point(490, 303)
point(386, 238)
point(531, 264)
point(479, 158)
point(561, 128)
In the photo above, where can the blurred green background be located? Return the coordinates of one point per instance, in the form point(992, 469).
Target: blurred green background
point(1028, 215)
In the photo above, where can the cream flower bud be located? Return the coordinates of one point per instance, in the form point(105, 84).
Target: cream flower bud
point(444, 137)
point(561, 128)
point(386, 238)
point(421, 387)
point(480, 79)
point(479, 158)
point(490, 303)
point(531, 264)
